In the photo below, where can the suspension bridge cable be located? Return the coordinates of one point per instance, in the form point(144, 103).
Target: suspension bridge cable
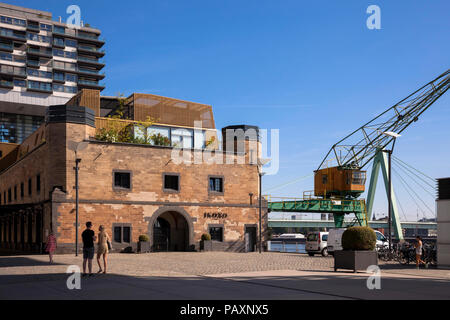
point(401, 207)
point(409, 193)
point(289, 183)
point(432, 179)
point(432, 213)
point(404, 170)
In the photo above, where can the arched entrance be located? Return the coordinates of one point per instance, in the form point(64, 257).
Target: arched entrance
point(171, 229)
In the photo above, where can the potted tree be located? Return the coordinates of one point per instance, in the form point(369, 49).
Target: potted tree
point(358, 252)
point(143, 244)
point(206, 243)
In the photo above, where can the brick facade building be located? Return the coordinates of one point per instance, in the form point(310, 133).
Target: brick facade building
point(131, 189)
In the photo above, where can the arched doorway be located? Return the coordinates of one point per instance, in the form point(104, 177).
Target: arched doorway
point(171, 229)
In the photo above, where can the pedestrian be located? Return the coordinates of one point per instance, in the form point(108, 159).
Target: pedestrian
point(89, 238)
point(419, 245)
point(102, 250)
point(50, 247)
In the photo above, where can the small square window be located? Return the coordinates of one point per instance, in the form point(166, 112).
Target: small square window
point(171, 182)
point(216, 233)
point(122, 232)
point(216, 184)
point(122, 180)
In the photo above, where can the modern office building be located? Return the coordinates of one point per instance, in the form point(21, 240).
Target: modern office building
point(42, 62)
point(443, 222)
point(167, 178)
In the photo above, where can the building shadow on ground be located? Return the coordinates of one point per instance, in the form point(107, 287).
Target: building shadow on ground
point(318, 286)
point(6, 262)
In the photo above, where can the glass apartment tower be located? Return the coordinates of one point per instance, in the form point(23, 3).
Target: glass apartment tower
point(42, 62)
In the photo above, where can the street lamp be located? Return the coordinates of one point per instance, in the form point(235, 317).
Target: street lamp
point(389, 152)
point(77, 147)
point(261, 162)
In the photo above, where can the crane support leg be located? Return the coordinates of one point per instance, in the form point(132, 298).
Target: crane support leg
point(381, 161)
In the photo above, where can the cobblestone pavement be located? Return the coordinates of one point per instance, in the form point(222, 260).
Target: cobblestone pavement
point(193, 263)
point(171, 263)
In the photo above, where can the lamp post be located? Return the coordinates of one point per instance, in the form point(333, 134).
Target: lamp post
point(76, 147)
point(389, 152)
point(261, 163)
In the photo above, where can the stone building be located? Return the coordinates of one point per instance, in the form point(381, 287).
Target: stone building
point(172, 194)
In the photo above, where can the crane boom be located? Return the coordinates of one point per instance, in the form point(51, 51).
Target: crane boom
point(357, 149)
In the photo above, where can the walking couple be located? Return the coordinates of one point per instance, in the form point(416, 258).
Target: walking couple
point(103, 247)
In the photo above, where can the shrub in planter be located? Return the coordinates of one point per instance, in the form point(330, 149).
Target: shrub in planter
point(144, 244)
point(358, 252)
point(359, 238)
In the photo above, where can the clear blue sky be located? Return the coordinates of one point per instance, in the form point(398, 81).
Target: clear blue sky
point(309, 68)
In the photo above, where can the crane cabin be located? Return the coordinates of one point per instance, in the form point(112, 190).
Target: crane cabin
point(339, 182)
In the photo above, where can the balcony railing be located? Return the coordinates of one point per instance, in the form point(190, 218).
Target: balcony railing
point(33, 63)
point(90, 71)
point(6, 46)
point(12, 70)
point(89, 60)
point(11, 34)
point(6, 84)
point(89, 83)
point(91, 49)
point(46, 52)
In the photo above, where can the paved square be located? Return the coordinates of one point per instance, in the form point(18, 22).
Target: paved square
point(214, 275)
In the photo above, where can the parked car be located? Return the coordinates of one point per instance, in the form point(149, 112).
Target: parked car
point(316, 242)
point(335, 240)
point(292, 236)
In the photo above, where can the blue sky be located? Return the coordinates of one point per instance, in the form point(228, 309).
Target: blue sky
point(309, 68)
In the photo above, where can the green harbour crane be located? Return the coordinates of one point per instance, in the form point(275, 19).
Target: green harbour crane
point(337, 187)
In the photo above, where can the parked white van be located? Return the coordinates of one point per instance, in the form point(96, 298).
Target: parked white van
point(316, 242)
point(335, 240)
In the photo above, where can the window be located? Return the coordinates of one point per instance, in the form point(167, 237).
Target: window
point(46, 27)
point(171, 182)
point(58, 42)
point(9, 195)
point(359, 177)
point(199, 139)
point(71, 77)
point(122, 180)
point(20, 83)
point(216, 233)
point(38, 183)
point(22, 190)
point(182, 138)
point(216, 184)
point(6, 56)
point(42, 86)
point(122, 232)
point(15, 192)
point(324, 179)
point(60, 30)
point(30, 191)
point(325, 237)
point(71, 43)
point(58, 76)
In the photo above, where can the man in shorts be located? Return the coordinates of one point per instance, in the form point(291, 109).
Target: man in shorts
point(89, 238)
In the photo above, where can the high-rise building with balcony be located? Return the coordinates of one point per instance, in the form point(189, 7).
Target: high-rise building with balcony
point(42, 62)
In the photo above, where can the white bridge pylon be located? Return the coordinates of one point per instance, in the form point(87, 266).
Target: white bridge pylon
point(381, 161)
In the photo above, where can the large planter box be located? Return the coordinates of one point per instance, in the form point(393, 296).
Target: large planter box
point(354, 260)
point(143, 246)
